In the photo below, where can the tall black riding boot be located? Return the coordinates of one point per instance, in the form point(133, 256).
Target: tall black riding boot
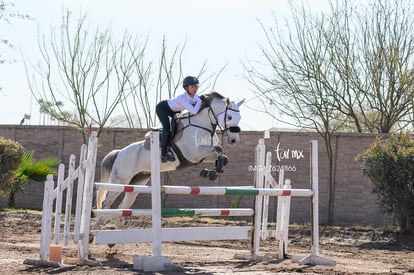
point(165, 135)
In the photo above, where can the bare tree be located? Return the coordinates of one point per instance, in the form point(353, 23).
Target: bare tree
point(346, 69)
point(387, 50)
point(298, 65)
point(87, 77)
point(373, 59)
point(76, 77)
point(151, 83)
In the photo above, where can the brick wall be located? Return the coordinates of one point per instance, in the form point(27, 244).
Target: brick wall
point(354, 201)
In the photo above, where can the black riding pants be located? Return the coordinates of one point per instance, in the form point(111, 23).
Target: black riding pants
point(164, 113)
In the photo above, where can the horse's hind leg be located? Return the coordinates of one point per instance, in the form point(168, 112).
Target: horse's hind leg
point(109, 199)
point(128, 200)
point(100, 197)
point(130, 197)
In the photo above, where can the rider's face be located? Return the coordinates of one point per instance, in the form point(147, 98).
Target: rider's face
point(192, 89)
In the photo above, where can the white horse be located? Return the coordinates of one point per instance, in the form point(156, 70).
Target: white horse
point(195, 141)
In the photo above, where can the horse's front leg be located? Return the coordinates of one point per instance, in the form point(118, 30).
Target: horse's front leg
point(221, 160)
point(206, 152)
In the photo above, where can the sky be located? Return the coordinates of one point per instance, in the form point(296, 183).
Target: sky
point(221, 32)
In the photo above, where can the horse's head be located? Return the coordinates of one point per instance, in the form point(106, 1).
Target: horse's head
point(227, 115)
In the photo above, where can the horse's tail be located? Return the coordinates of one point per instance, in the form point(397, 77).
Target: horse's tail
point(106, 168)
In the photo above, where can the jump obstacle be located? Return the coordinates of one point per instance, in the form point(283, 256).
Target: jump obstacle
point(265, 187)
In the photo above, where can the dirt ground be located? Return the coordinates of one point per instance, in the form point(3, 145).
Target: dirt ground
point(355, 250)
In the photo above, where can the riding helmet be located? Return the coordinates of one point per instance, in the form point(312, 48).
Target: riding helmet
point(190, 80)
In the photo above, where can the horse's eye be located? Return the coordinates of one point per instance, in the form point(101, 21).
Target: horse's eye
point(229, 117)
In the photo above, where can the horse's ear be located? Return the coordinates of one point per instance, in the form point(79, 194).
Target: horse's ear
point(240, 102)
point(228, 102)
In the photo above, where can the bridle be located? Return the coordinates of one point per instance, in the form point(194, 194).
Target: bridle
point(214, 122)
point(232, 129)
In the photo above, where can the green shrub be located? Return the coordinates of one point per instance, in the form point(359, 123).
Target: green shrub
point(17, 167)
point(11, 154)
point(30, 170)
point(390, 166)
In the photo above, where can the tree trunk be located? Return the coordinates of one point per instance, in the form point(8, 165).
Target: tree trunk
point(331, 179)
point(11, 203)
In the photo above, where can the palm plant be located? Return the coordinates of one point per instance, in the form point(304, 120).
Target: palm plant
point(29, 170)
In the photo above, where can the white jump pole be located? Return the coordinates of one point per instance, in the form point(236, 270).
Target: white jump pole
point(156, 193)
point(90, 164)
point(267, 185)
point(58, 205)
point(284, 221)
point(259, 183)
point(156, 262)
point(46, 218)
point(314, 257)
point(69, 195)
point(79, 193)
point(315, 198)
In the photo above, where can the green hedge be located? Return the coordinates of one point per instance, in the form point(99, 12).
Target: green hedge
point(390, 166)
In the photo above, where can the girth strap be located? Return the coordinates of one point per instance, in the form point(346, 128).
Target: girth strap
point(184, 162)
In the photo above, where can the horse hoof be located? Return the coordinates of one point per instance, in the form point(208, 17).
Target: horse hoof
point(212, 175)
point(204, 173)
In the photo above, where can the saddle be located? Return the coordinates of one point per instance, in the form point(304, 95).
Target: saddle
point(176, 127)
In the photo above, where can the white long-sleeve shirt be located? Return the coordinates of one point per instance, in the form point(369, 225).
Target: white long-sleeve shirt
point(185, 102)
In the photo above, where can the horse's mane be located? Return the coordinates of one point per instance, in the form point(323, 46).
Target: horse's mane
point(209, 97)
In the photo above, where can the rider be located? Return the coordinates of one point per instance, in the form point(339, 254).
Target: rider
point(165, 109)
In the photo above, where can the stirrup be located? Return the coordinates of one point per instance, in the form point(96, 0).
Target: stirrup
point(169, 156)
